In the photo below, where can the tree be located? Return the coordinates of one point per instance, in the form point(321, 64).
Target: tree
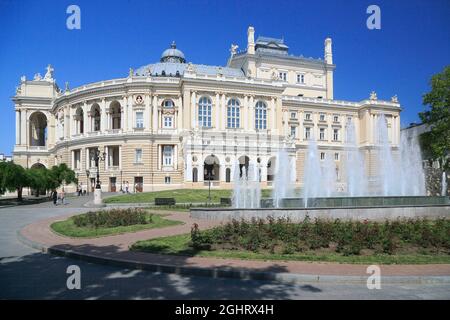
point(39, 179)
point(13, 177)
point(61, 174)
point(436, 142)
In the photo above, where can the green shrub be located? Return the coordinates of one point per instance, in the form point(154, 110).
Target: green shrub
point(345, 237)
point(113, 218)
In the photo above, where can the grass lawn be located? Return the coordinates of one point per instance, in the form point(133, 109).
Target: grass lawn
point(179, 245)
point(180, 195)
point(69, 229)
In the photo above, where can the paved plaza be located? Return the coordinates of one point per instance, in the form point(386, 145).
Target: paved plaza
point(26, 273)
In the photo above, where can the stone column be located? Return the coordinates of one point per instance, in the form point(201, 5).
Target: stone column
point(179, 126)
point(73, 121)
point(251, 113)
point(124, 115)
point(224, 111)
point(193, 109)
point(130, 114)
point(217, 111)
point(85, 118)
point(103, 115)
point(66, 122)
point(159, 148)
point(17, 127)
point(106, 157)
point(244, 114)
point(273, 120)
point(147, 113)
point(155, 113)
point(175, 157)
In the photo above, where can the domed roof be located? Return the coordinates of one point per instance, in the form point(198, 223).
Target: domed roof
point(173, 54)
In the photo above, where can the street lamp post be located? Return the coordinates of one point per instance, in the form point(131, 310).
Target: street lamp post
point(121, 181)
point(98, 156)
point(87, 181)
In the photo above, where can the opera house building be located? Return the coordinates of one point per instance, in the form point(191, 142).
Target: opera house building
point(177, 124)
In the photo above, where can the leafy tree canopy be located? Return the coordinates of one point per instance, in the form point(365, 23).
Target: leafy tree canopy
point(437, 141)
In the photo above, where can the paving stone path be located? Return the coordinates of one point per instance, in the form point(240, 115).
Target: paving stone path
point(117, 248)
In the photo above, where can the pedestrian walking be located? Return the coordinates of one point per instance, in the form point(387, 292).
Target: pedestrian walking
point(63, 197)
point(55, 197)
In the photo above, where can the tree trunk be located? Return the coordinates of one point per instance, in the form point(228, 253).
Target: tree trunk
point(19, 194)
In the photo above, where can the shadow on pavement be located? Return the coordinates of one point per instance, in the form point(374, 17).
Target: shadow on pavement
point(43, 276)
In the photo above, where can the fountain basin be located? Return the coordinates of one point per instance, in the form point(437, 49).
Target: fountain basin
point(372, 201)
point(373, 208)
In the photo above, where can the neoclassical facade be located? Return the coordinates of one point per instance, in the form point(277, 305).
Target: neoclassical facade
point(175, 124)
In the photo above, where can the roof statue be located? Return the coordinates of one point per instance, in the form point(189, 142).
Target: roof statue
point(49, 74)
point(394, 99)
point(373, 95)
point(233, 49)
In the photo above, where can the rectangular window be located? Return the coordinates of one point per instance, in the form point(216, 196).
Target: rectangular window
point(307, 133)
point(293, 115)
point(335, 134)
point(283, 76)
point(307, 116)
point(322, 134)
point(336, 118)
point(167, 155)
point(168, 123)
point(300, 78)
point(322, 117)
point(138, 156)
point(139, 120)
point(293, 131)
point(77, 159)
point(167, 180)
point(322, 156)
point(336, 156)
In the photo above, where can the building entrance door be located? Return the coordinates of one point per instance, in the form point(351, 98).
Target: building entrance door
point(92, 184)
point(112, 184)
point(138, 184)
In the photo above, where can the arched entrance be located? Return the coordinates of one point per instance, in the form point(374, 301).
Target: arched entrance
point(211, 168)
point(38, 129)
point(271, 165)
point(243, 165)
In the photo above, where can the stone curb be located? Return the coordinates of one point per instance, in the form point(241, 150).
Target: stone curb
point(282, 277)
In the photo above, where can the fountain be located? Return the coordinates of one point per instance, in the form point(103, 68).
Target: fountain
point(355, 169)
point(397, 189)
point(246, 187)
point(401, 172)
point(283, 185)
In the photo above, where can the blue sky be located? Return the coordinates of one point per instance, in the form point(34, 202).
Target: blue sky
point(412, 45)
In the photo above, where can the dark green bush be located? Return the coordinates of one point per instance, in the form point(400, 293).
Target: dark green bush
point(113, 218)
point(345, 237)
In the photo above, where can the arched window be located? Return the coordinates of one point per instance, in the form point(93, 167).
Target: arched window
point(204, 112)
point(168, 104)
point(260, 115)
point(38, 129)
point(95, 117)
point(228, 175)
point(233, 113)
point(116, 115)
